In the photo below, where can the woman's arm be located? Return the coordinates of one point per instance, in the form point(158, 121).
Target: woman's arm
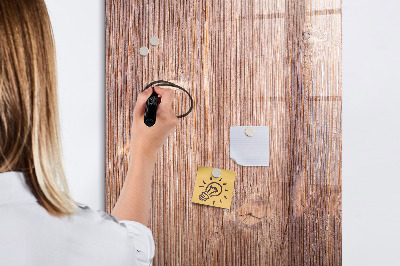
point(134, 201)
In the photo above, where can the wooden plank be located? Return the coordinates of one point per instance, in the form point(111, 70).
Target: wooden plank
point(275, 63)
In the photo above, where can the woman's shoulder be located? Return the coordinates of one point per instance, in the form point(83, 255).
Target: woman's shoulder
point(132, 228)
point(86, 211)
point(139, 236)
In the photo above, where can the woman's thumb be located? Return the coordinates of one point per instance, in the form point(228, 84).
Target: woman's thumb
point(140, 105)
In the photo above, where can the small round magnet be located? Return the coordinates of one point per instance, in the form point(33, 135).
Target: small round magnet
point(154, 41)
point(216, 172)
point(249, 131)
point(144, 51)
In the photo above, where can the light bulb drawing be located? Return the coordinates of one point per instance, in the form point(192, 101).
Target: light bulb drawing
point(213, 189)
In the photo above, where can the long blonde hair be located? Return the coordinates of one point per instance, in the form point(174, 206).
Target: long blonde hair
point(29, 118)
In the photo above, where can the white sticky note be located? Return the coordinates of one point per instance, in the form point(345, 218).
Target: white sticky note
point(250, 150)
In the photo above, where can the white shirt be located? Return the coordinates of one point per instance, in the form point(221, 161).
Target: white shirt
point(29, 235)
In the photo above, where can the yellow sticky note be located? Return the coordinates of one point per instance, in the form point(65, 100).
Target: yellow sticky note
point(212, 191)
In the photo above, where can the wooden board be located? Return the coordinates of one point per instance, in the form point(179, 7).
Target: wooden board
point(261, 63)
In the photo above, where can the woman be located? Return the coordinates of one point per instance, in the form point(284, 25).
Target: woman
point(40, 224)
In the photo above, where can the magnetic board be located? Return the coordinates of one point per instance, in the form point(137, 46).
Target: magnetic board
point(261, 63)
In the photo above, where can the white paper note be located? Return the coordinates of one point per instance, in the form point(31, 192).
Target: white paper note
point(250, 151)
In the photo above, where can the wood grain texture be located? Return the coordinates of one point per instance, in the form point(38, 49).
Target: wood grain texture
point(275, 63)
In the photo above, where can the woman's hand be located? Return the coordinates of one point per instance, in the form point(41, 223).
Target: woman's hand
point(150, 139)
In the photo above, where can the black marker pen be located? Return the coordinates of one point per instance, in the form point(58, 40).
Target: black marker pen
point(151, 109)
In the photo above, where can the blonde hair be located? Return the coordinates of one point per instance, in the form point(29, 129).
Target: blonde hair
point(29, 119)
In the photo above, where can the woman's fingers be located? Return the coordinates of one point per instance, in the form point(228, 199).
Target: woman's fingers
point(165, 106)
point(160, 91)
point(167, 98)
point(165, 109)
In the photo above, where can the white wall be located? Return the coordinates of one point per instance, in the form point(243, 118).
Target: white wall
point(371, 132)
point(79, 34)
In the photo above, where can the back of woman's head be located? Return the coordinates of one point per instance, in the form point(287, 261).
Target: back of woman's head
point(29, 119)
